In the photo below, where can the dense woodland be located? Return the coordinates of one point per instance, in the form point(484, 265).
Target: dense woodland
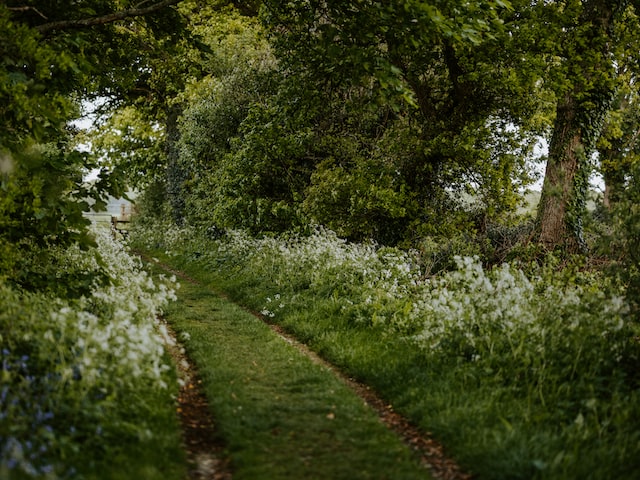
point(409, 124)
point(392, 122)
point(387, 122)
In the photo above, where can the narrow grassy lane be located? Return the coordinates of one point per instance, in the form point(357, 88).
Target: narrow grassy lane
point(281, 415)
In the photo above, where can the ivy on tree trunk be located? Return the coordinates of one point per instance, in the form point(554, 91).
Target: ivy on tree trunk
point(580, 114)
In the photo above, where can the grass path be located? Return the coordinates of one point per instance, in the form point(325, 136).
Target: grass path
point(280, 411)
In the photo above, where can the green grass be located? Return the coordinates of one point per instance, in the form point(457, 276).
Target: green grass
point(147, 445)
point(492, 433)
point(281, 415)
point(50, 427)
point(494, 430)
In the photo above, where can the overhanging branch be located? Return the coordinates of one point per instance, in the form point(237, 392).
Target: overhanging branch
point(27, 9)
point(46, 28)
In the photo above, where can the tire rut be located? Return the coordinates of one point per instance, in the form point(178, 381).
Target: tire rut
point(205, 452)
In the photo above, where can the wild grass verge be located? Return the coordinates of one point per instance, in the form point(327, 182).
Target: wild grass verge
point(519, 375)
point(86, 390)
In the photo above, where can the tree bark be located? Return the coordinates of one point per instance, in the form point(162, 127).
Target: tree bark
point(176, 174)
point(610, 180)
point(558, 187)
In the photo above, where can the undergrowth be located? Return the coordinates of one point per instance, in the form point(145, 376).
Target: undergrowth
point(522, 375)
point(86, 390)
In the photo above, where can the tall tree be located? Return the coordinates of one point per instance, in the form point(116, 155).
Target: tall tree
point(619, 145)
point(588, 54)
point(53, 55)
point(144, 137)
point(441, 68)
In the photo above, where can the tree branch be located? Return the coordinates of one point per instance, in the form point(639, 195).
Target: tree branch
point(26, 9)
point(138, 11)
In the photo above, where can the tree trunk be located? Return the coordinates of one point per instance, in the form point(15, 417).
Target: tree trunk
point(609, 193)
point(558, 190)
point(176, 174)
point(580, 114)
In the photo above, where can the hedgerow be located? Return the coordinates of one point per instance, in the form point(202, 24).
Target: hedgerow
point(551, 342)
point(79, 376)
